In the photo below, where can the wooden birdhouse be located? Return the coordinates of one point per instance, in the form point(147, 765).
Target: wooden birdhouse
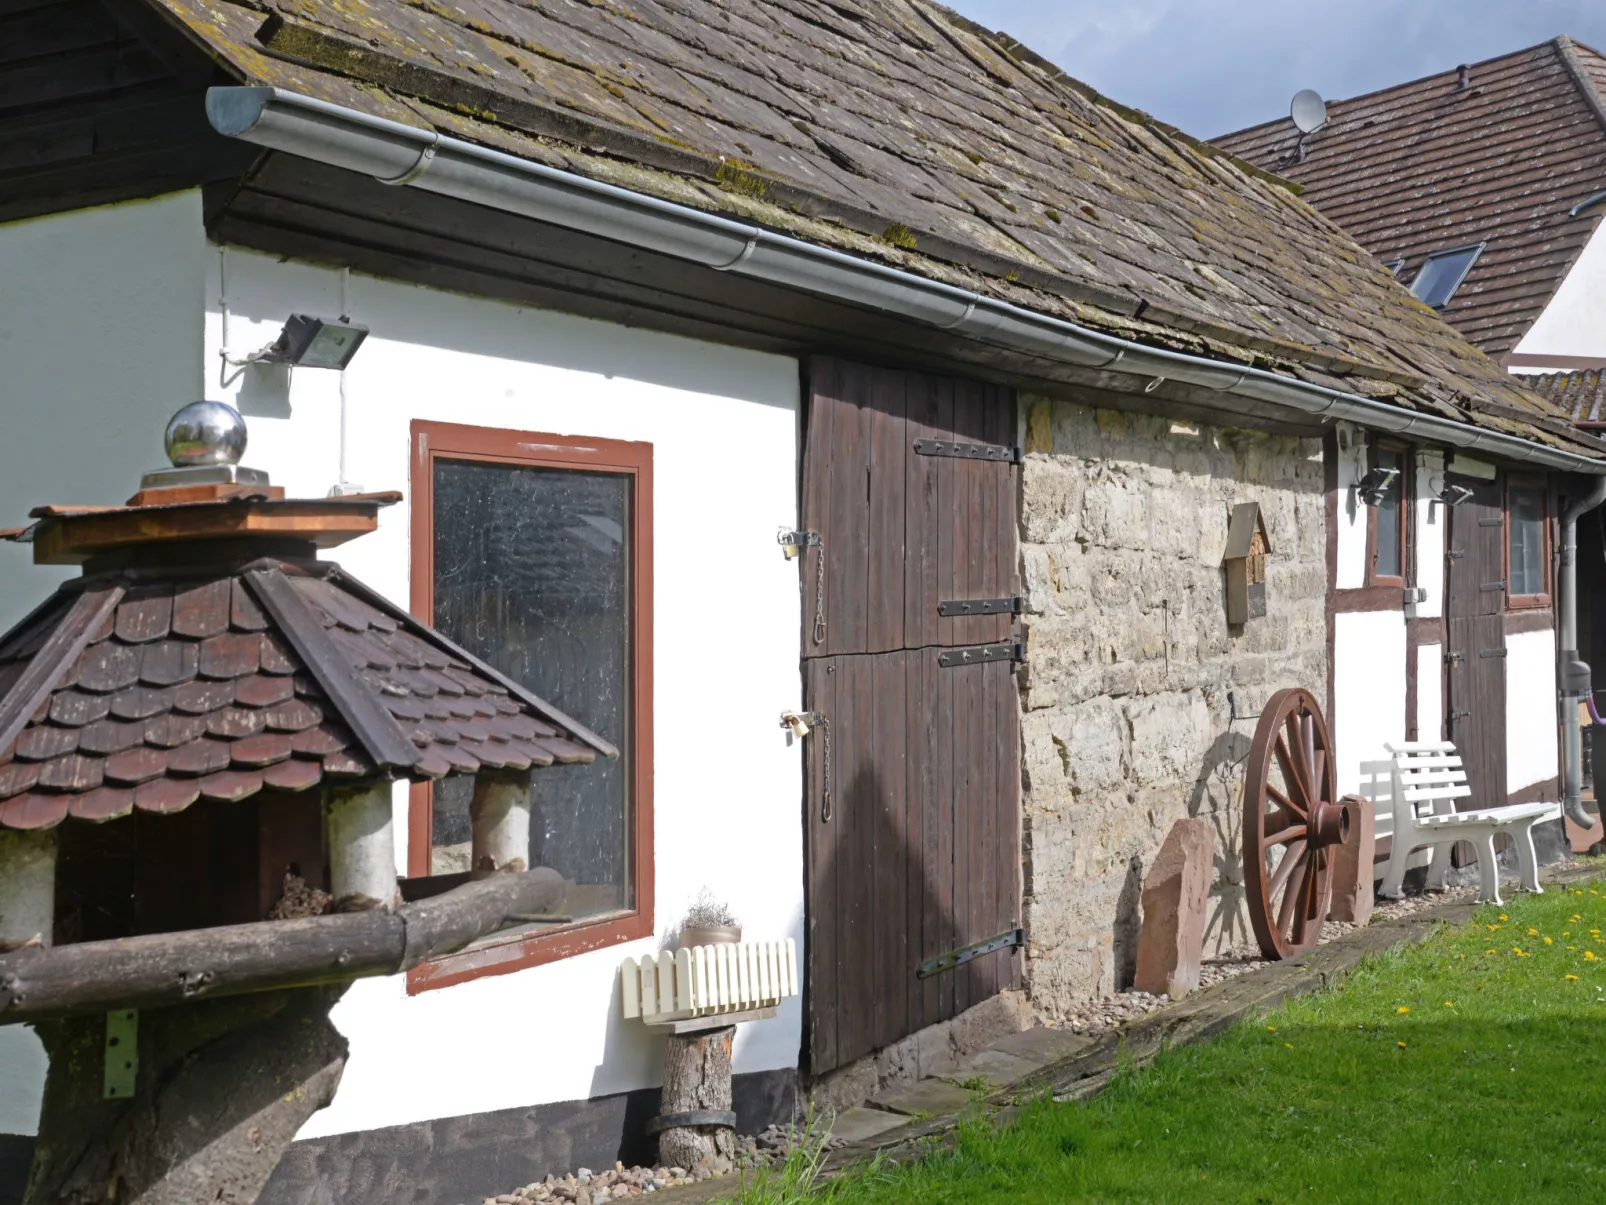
point(1245, 564)
point(198, 740)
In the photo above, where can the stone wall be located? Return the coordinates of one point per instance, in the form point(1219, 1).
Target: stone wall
point(1127, 722)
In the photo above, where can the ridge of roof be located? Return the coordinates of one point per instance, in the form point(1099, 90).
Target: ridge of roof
point(1567, 50)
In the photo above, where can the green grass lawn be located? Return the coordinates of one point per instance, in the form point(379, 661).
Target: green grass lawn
point(1470, 1069)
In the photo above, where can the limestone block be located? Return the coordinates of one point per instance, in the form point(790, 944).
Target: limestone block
point(1352, 866)
point(1051, 499)
point(1175, 893)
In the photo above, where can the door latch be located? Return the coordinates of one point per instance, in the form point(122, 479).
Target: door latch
point(794, 542)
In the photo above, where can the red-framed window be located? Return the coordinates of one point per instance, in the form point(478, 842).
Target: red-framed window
point(534, 551)
point(1387, 523)
point(1527, 551)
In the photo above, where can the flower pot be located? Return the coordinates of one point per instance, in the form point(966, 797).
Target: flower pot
point(710, 935)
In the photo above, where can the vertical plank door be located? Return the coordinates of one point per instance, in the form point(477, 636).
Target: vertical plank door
point(914, 830)
point(1475, 650)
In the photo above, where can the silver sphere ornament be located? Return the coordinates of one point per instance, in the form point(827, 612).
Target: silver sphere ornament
point(204, 433)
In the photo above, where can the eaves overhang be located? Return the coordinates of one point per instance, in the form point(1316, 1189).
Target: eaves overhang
point(403, 155)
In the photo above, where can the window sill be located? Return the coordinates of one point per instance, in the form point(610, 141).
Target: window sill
point(528, 946)
point(1527, 602)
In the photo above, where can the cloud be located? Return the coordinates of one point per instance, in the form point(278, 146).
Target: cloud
point(1210, 66)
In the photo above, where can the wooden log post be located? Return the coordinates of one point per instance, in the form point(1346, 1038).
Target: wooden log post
point(499, 814)
point(362, 847)
point(27, 888)
point(697, 1081)
point(221, 1089)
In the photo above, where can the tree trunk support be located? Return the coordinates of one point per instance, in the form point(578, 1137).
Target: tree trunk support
point(500, 816)
point(362, 847)
point(222, 1088)
point(27, 887)
point(697, 1080)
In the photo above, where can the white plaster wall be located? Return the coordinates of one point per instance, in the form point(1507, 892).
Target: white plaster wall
point(1573, 323)
point(1351, 513)
point(1531, 724)
point(1428, 528)
point(1368, 689)
point(1429, 692)
point(723, 424)
point(100, 341)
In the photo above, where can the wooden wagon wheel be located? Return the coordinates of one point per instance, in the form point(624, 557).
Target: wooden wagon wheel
point(1292, 821)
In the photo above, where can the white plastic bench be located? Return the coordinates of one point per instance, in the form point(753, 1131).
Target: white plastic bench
point(1415, 793)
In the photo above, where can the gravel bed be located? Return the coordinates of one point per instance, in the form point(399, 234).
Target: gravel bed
point(1110, 1012)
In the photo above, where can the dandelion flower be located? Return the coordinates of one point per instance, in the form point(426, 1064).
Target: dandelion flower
point(1449, 1004)
point(1401, 1045)
point(1549, 941)
point(1491, 951)
point(1402, 1009)
point(1502, 916)
point(1533, 932)
point(1589, 956)
point(1271, 1029)
point(1290, 1045)
point(1572, 976)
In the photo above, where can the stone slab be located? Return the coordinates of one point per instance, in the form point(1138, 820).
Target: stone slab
point(1176, 894)
point(859, 1125)
point(1353, 865)
point(924, 1096)
point(998, 1067)
point(1042, 1046)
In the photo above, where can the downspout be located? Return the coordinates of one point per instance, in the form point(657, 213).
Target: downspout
point(1575, 677)
point(399, 154)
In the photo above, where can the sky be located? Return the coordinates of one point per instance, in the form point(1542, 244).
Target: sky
point(1213, 66)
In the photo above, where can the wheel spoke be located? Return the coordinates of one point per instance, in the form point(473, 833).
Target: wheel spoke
point(1319, 777)
point(1284, 835)
point(1283, 800)
point(1285, 911)
point(1294, 854)
point(1291, 779)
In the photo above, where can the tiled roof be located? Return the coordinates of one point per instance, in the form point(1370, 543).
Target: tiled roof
point(1581, 394)
point(1427, 166)
point(893, 130)
point(128, 693)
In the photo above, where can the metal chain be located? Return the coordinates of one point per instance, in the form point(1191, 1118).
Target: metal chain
point(825, 776)
point(819, 595)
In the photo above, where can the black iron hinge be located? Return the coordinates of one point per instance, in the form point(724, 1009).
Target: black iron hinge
point(977, 654)
point(942, 447)
point(1014, 939)
point(1490, 587)
point(957, 607)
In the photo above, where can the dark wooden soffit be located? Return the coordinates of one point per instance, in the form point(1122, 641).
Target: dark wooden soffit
point(101, 101)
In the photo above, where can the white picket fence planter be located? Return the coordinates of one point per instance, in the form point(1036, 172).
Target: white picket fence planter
point(707, 981)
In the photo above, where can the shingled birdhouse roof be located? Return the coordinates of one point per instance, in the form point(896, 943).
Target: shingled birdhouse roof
point(206, 653)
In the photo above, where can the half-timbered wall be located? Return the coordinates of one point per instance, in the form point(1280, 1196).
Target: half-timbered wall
point(1139, 702)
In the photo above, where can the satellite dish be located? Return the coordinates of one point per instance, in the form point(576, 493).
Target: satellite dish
point(1309, 111)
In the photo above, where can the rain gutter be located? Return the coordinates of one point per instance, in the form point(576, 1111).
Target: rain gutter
point(398, 154)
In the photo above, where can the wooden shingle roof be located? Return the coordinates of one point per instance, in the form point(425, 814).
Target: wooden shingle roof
point(892, 130)
point(148, 690)
point(1428, 166)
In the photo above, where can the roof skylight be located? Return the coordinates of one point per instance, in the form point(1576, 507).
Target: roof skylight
point(1443, 273)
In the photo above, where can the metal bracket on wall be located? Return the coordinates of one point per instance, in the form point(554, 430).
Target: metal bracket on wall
point(956, 607)
point(957, 958)
point(941, 447)
point(121, 1054)
point(978, 653)
point(1491, 652)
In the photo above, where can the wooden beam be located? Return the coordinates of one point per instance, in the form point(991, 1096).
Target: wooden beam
point(175, 968)
point(375, 727)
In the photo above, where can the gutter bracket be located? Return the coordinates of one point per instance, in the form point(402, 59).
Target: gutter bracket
point(426, 157)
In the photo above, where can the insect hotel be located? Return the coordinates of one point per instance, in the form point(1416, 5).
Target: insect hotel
point(198, 741)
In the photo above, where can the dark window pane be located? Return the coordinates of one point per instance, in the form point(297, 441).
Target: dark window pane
point(1442, 275)
point(1526, 524)
point(1390, 556)
point(532, 573)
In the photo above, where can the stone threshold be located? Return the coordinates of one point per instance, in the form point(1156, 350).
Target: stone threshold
point(902, 1122)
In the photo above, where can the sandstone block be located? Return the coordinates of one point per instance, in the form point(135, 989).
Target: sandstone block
point(1352, 866)
point(1175, 893)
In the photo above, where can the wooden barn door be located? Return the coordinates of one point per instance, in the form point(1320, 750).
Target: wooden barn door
point(913, 785)
point(1475, 643)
